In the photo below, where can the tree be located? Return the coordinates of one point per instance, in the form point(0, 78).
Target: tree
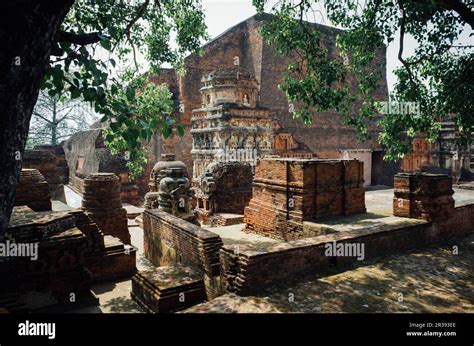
point(438, 77)
point(55, 119)
point(46, 41)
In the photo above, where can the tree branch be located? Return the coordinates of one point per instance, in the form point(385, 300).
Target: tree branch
point(79, 39)
point(460, 8)
point(42, 117)
point(402, 37)
point(138, 15)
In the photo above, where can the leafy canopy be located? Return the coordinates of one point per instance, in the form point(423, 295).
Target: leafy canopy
point(96, 58)
point(437, 77)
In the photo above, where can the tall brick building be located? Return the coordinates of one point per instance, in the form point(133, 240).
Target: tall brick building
point(243, 46)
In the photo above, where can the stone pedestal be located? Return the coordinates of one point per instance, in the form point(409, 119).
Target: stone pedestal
point(101, 202)
point(33, 191)
point(288, 191)
point(423, 196)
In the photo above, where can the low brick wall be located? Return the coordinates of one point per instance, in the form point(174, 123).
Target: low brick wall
point(169, 240)
point(248, 271)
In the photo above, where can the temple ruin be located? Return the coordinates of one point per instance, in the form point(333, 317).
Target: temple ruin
point(247, 199)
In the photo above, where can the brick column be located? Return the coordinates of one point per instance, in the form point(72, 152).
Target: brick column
point(424, 196)
point(102, 203)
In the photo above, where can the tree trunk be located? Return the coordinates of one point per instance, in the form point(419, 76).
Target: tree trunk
point(54, 124)
point(27, 29)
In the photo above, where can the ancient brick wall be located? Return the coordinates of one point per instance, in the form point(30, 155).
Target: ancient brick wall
point(248, 271)
point(241, 45)
point(288, 191)
point(421, 155)
point(325, 137)
point(102, 203)
point(169, 240)
point(86, 153)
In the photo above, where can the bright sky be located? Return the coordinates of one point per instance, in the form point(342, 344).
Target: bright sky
point(223, 14)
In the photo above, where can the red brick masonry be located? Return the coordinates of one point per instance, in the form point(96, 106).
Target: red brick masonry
point(423, 196)
point(288, 191)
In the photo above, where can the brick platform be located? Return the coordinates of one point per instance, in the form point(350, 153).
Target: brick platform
point(101, 202)
point(33, 191)
point(423, 196)
point(58, 272)
point(250, 270)
point(288, 191)
point(168, 289)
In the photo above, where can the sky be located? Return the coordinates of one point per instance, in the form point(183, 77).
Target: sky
point(223, 14)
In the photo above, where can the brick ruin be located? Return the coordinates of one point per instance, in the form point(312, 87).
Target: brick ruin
point(51, 162)
point(231, 125)
point(287, 192)
point(423, 196)
point(58, 273)
point(101, 202)
point(72, 253)
point(186, 264)
point(290, 174)
point(33, 190)
point(445, 155)
point(229, 100)
point(223, 191)
point(236, 79)
point(86, 153)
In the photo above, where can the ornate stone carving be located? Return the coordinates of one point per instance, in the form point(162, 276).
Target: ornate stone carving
point(170, 189)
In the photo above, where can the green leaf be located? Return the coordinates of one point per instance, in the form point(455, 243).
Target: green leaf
point(167, 132)
point(130, 92)
point(75, 92)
